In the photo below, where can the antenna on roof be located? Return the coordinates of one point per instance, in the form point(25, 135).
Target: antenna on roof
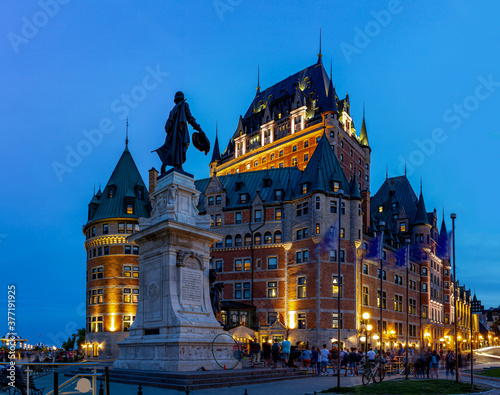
point(386, 171)
point(126, 135)
point(258, 78)
point(331, 69)
point(405, 168)
point(420, 185)
point(320, 55)
point(216, 127)
point(94, 188)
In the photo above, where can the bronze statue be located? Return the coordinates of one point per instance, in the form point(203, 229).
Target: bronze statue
point(173, 151)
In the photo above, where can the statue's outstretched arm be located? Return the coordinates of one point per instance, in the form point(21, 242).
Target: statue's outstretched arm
point(191, 119)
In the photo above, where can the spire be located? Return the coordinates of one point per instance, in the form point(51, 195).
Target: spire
point(363, 135)
point(258, 79)
point(320, 55)
point(331, 104)
point(421, 215)
point(126, 135)
point(215, 151)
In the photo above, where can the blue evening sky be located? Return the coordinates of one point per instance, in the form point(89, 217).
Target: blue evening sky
point(428, 72)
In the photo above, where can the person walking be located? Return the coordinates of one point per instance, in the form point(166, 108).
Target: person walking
point(353, 362)
point(434, 363)
point(285, 350)
point(275, 351)
point(255, 353)
point(314, 361)
point(324, 360)
point(266, 353)
point(305, 357)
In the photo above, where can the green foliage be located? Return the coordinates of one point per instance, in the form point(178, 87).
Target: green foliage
point(495, 372)
point(80, 339)
point(401, 387)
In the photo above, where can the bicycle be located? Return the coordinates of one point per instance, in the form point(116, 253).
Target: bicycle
point(373, 374)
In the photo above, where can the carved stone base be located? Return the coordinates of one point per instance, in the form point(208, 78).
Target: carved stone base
point(174, 325)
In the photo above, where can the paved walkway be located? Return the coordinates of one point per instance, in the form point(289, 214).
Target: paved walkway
point(292, 387)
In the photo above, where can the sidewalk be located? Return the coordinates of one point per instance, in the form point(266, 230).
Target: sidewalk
point(292, 387)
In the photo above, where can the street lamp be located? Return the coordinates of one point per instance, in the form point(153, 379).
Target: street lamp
point(340, 193)
point(367, 327)
point(453, 216)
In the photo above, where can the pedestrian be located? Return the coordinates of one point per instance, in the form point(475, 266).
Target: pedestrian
point(314, 361)
point(266, 353)
point(324, 360)
point(427, 357)
point(275, 351)
point(371, 358)
point(334, 358)
point(285, 350)
point(344, 361)
point(255, 353)
point(305, 357)
point(434, 363)
point(353, 362)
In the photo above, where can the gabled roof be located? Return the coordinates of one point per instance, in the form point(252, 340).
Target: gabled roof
point(323, 167)
point(124, 181)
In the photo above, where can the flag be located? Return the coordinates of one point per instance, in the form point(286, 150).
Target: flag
point(400, 257)
point(330, 240)
point(376, 247)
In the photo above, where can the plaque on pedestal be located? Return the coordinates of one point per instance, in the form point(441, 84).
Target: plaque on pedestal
point(174, 328)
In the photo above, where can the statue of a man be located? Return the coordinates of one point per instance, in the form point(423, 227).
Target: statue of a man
point(173, 151)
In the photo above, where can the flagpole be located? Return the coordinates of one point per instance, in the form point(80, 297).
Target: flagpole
point(339, 193)
point(407, 261)
point(453, 216)
point(381, 249)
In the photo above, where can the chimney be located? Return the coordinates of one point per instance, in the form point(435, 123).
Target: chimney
point(153, 175)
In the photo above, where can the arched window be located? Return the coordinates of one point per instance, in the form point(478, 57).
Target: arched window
point(229, 241)
point(277, 236)
point(248, 239)
point(237, 241)
point(257, 239)
point(268, 238)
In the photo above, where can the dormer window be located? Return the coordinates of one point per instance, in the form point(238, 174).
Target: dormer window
point(243, 198)
point(394, 205)
point(305, 188)
point(267, 182)
point(238, 186)
point(381, 208)
point(111, 192)
point(336, 186)
point(130, 209)
point(278, 194)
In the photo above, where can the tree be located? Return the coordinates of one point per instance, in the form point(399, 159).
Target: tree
point(80, 339)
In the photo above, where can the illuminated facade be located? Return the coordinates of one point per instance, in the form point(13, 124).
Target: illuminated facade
point(112, 261)
point(273, 194)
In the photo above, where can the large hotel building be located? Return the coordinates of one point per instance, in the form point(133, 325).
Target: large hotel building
point(294, 165)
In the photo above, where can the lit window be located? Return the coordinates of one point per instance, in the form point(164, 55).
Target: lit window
point(121, 227)
point(335, 320)
point(301, 287)
point(317, 228)
point(277, 236)
point(248, 239)
point(381, 208)
point(128, 320)
point(278, 214)
point(294, 162)
point(130, 228)
point(238, 265)
point(247, 264)
point(402, 227)
point(336, 186)
point(366, 296)
point(301, 321)
point(342, 233)
point(130, 209)
point(272, 289)
point(268, 239)
point(218, 220)
point(336, 287)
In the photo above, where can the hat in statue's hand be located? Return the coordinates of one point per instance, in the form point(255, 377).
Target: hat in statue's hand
point(201, 142)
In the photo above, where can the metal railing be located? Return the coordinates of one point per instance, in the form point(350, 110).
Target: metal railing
point(55, 391)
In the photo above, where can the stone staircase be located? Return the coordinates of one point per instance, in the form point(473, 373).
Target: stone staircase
point(200, 380)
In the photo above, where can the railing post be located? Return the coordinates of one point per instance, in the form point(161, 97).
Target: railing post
point(139, 390)
point(28, 379)
point(101, 389)
point(106, 379)
point(187, 390)
point(94, 381)
point(56, 383)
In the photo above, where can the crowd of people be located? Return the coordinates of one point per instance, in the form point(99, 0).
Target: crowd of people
point(320, 361)
point(46, 356)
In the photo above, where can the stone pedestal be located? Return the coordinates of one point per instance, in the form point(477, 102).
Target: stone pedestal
point(174, 327)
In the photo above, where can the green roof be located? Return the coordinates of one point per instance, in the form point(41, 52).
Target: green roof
point(122, 188)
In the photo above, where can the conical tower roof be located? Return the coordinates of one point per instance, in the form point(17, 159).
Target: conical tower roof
point(324, 167)
point(216, 151)
point(331, 101)
point(124, 183)
point(421, 215)
point(363, 135)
